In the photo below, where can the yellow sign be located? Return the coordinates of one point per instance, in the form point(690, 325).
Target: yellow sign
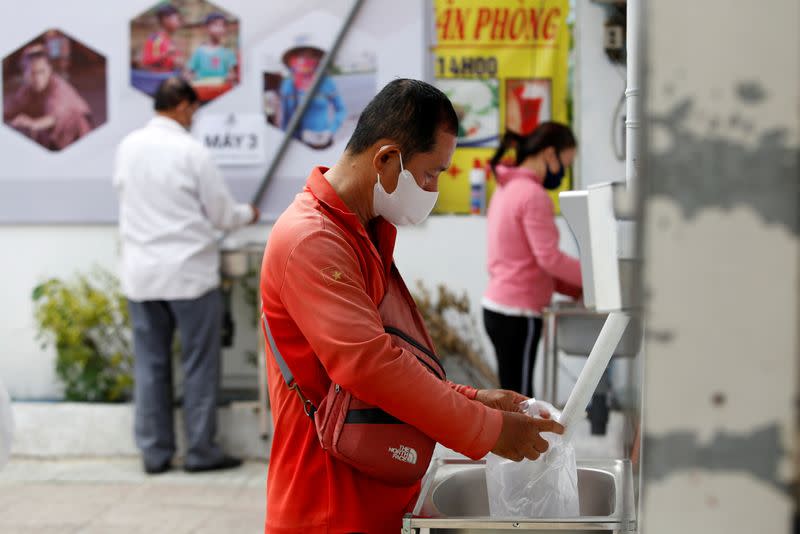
point(503, 63)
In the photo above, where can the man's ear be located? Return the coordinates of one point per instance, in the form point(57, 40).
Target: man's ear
point(386, 158)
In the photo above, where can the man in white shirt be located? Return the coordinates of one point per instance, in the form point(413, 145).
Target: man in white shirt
point(173, 203)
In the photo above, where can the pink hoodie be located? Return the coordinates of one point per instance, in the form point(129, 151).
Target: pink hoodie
point(525, 264)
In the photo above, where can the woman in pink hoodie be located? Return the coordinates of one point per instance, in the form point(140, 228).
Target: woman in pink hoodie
point(525, 264)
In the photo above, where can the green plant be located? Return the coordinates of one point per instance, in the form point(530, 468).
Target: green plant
point(453, 330)
point(250, 285)
point(87, 321)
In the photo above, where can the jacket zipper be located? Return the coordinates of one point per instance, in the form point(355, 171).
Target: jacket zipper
point(413, 342)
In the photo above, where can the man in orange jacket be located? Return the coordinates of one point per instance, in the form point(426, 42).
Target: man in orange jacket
point(326, 264)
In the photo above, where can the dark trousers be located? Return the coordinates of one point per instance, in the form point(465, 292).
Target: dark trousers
point(198, 322)
point(515, 341)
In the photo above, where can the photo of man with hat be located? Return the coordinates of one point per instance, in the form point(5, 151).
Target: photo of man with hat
point(326, 112)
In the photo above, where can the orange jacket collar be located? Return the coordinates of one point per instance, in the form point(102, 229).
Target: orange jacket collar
point(384, 232)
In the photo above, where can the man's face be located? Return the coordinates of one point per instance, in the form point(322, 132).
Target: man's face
point(426, 167)
point(186, 113)
point(303, 63)
point(172, 22)
point(38, 73)
point(217, 29)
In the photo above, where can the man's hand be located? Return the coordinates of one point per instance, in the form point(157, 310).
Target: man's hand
point(520, 437)
point(501, 399)
point(43, 123)
point(256, 215)
point(22, 122)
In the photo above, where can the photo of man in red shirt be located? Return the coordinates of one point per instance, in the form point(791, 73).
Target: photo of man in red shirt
point(159, 52)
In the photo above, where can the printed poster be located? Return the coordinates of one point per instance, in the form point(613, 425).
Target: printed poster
point(54, 90)
point(504, 65)
point(288, 61)
point(194, 39)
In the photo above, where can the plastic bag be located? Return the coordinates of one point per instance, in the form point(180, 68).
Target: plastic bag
point(6, 426)
point(547, 487)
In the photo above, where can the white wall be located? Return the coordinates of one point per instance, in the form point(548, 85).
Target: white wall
point(36, 253)
point(31, 255)
point(450, 250)
point(599, 85)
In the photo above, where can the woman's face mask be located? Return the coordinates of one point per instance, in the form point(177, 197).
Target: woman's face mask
point(407, 204)
point(552, 180)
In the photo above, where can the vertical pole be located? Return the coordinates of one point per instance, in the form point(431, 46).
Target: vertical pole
point(632, 123)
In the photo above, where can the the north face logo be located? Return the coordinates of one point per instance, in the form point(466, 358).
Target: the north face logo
point(404, 454)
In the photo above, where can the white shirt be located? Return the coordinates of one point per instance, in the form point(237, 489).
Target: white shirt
point(172, 203)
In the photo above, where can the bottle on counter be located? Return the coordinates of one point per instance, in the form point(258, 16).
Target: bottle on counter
point(477, 185)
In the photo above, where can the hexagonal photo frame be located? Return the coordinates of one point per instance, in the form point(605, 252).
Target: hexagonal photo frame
point(191, 38)
point(290, 58)
point(54, 90)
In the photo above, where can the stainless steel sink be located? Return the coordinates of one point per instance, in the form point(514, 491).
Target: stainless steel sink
point(578, 329)
point(454, 499)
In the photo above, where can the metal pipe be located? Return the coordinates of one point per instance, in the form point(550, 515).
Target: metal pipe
point(632, 122)
point(294, 122)
point(634, 206)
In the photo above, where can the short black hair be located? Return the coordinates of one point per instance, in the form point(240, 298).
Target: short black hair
point(410, 113)
point(172, 92)
point(36, 51)
point(27, 58)
point(215, 16)
point(166, 10)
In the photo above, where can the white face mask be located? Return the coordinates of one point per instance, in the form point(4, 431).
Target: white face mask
point(408, 204)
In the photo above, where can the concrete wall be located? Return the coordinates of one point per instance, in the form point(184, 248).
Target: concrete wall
point(69, 429)
point(722, 272)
